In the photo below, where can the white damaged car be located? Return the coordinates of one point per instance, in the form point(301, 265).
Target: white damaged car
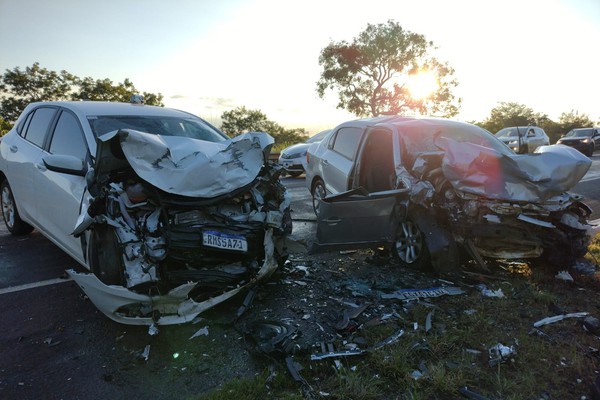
point(168, 214)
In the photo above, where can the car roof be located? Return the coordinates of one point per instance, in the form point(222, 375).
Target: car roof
point(114, 108)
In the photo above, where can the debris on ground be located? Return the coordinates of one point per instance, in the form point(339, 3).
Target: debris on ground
point(500, 353)
point(556, 318)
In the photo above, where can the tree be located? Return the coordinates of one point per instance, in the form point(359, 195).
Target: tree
point(19, 88)
point(241, 120)
point(510, 114)
point(371, 75)
point(572, 119)
point(4, 127)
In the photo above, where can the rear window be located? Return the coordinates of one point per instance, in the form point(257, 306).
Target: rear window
point(166, 126)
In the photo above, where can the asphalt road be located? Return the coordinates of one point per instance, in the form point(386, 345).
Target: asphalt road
point(55, 344)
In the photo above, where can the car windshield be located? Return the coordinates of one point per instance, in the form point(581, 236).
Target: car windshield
point(579, 133)
point(421, 139)
point(159, 125)
point(511, 132)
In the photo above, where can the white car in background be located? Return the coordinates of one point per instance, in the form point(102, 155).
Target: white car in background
point(293, 158)
point(170, 216)
point(523, 139)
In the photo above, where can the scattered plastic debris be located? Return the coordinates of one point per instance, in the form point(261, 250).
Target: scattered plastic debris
point(328, 351)
point(390, 340)
point(490, 293)
point(564, 276)
point(556, 318)
point(146, 353)
point(153, 330)
point(200, 332)
point(428, 322)
point(499, 353)
point(411, 294)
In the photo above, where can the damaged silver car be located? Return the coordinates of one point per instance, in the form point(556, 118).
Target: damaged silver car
point(435, 191)
point(170, 216)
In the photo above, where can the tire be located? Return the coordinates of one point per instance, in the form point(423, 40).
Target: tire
point(410, 248)
point(318, 192)
point(105, 255)
point(15, 225)
point(295, 174)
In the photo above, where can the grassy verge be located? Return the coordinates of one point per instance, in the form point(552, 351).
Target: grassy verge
point(560, 360)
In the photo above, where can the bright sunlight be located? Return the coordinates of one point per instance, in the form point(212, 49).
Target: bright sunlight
point(422, 85)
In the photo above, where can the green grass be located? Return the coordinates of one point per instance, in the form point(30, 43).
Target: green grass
point(560, 364)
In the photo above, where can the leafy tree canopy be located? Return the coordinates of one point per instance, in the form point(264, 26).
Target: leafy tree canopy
point(371, 73)
point(572, 119)
point(241, 120)
point(21, 87)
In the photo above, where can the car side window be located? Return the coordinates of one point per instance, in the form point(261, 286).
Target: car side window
point(38, 126)
point(346, 141)
point(68, 137)
point(22, 127)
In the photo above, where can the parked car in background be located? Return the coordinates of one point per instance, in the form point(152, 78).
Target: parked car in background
point(586, 140)
point(293, 158)
point(170, 216)
point(433, 189)
point(523, 139)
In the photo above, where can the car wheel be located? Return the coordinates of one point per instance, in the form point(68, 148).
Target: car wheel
point(295, 174)
point(318, 192)
point(105, 254)
point(13, 221)
point(410, 248)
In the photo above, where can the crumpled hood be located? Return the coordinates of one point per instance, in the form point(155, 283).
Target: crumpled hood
point(536, 177)
point(186, 166)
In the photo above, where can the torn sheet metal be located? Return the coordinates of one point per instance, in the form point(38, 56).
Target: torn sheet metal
point(172, 163)
point(174, 307)
point(413, 294)
point(536, 177)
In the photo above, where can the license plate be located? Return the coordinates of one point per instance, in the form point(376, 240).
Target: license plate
point(225, 241)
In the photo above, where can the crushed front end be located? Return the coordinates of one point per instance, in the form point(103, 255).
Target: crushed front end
point(163, 255)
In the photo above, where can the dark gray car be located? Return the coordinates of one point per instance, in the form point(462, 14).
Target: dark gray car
point(433, 189)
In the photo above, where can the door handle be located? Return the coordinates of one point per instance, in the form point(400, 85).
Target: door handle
point(325, 162)
point(13, 149)
point(332, 221)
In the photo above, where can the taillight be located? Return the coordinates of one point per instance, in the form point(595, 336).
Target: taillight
point(307, 158)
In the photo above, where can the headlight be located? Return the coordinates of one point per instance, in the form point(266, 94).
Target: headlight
point(586, 140)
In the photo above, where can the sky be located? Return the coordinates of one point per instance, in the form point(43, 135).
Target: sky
point(207, 57)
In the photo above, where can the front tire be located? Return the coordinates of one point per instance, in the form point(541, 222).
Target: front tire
point(410, 248)
point(318, 193)
point(15, 225)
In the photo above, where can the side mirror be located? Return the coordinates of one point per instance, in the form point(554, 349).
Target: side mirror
point(65, 164)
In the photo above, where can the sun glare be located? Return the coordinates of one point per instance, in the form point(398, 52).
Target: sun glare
point(422, 84)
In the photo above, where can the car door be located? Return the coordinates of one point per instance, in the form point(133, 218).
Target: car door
point(24, 151)
point(357, 219)
point(338, 160)
point(59, 194)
